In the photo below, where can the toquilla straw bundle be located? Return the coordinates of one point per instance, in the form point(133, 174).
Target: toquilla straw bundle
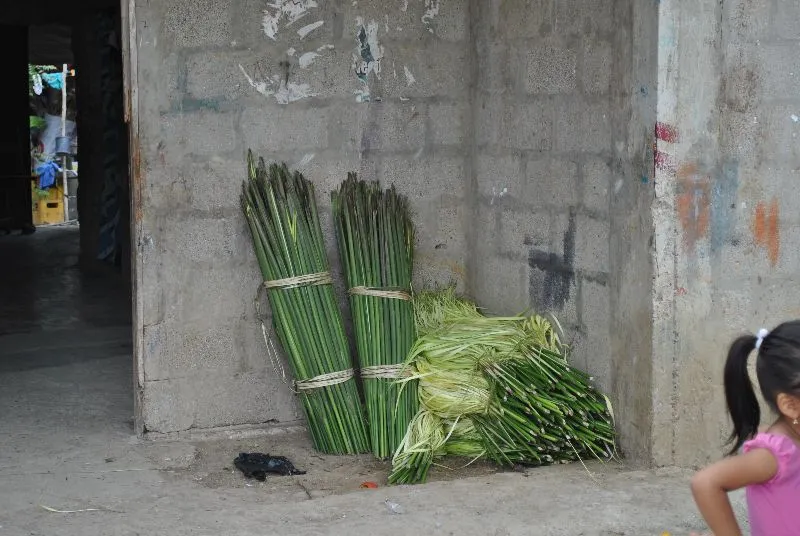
point(376, 242)
point(282, 215)
point(498, 388)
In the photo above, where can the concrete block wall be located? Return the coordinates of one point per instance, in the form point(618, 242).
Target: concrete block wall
point(213, 83)
point(726, 224)
point(547, 145)
point(624, 165)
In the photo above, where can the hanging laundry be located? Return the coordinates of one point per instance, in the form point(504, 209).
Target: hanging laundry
point(47, 174)
point(37, 84)
point(54, 80)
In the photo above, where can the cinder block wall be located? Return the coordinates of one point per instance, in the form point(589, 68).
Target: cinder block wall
point(211, 85)
point(507, 123)
point(524, 133)
point(565, 108)
point(547, 152)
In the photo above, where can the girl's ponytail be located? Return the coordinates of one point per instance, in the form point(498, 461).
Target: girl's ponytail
point(739, 393)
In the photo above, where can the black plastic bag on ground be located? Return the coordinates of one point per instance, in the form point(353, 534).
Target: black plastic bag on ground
point(257, 465)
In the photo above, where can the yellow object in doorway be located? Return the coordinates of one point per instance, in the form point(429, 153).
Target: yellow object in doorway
point(48, 209)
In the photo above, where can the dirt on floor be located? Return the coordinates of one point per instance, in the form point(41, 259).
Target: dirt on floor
point(212, 467)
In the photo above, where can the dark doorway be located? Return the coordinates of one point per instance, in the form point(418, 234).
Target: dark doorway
point(65, 291)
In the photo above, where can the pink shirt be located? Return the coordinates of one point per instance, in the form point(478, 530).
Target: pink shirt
point(773, 506)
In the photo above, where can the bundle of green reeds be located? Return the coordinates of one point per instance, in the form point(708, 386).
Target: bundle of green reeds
point(376, 241)
point(498, 388)
point(282, 215)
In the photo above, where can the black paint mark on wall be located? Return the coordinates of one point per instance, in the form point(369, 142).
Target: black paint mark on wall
point(551, 276)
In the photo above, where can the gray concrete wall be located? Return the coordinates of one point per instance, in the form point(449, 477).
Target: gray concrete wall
point(524, 132)
point(553, 113)
point(726, 225)
point(566, 100)
point(631, 226)
point(212, 83)
point(519, 129)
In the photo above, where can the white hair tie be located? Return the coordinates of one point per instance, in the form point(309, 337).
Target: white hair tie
point(762, 334)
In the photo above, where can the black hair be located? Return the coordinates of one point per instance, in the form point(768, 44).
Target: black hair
point(777, 369)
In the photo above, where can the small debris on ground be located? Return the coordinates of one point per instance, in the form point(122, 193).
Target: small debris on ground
point(394, 508)
point(257, 465)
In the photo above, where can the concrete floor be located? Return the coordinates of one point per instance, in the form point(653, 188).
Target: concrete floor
point(66, 443)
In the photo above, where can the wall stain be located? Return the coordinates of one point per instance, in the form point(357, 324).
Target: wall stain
point(559, 273)
point(693, 203)
point(766, 231)
point(741, 89)
point(724, 193)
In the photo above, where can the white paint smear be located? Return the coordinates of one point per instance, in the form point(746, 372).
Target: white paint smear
point(405, 6)
point(362, 95)
point(795, 118)
point(291, 52)
point(292, 92)
point(276, 86)
point(305, 30)
point(431, 10)
point(496, 194)
point(284, 12)
point(410, 80)
point(262, 87)
point(307, 158)
point(307, 59)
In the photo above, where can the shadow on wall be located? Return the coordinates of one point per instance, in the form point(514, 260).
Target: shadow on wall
point(552, 276)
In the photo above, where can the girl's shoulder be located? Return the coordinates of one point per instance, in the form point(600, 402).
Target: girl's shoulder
point(785, 450)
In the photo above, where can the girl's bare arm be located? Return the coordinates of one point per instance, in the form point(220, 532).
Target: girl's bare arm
point(710, 487)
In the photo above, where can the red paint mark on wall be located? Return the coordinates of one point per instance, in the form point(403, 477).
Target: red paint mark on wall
point(663, 161)
point(693, 202)
point(766, 231)
point(667, 133)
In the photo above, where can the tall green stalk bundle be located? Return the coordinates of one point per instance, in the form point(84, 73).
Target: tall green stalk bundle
point(501, 389)
point(376, 241)
point(281, 212)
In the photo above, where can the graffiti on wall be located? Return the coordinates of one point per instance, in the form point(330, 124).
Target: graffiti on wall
point(706, 204)
point(706, 195)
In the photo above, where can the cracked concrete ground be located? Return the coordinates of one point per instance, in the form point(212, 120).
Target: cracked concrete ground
point(66, 444)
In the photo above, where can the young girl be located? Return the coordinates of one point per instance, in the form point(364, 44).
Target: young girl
point(769, 466)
